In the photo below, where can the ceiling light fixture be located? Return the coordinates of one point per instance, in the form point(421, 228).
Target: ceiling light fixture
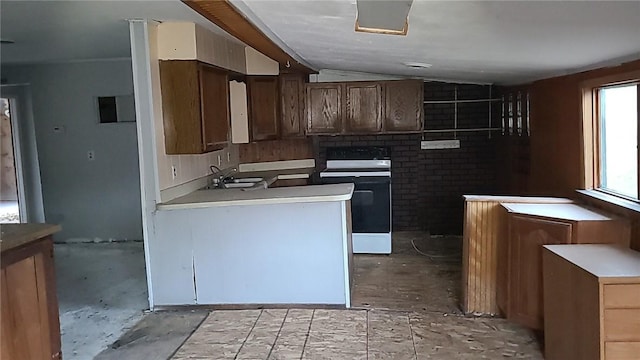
point(418, 65)
point(383, 16)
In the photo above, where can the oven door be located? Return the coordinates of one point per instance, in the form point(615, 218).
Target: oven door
point(370, 204)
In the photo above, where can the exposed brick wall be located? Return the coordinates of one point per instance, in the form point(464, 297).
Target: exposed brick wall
point(427, 185)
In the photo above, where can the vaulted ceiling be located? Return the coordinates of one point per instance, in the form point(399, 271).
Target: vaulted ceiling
point(474, 41)
point(501, 42)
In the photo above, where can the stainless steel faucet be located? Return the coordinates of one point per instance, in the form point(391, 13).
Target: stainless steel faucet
point(221, 175)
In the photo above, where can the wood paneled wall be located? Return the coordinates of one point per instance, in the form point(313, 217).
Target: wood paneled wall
point(276, 150)
point(556, 136)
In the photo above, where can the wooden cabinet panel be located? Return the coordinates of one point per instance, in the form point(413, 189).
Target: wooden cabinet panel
point(291, 105)
point(214, 97)
point(195, 106)
point(525, 283)
point(324, 108)
point(364, 107)
point(577, 325)
point(403, 106)
point(29, 308)
point(262, 92)
point(622, 350)
point(620, 296)
point(622, 324)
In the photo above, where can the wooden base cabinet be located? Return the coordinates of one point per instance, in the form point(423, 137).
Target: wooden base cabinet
point(591, 302)
point(485, 226)
point(29, 320)
point(520, 293)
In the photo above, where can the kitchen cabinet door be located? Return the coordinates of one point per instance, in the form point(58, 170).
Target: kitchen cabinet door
point(364, 107)
point(324, 108)
point(527, 235)
point(262, 92)
point(291, 105)
point(214, 100)
point(30, 322)
point(403, 106)
point(195, 106)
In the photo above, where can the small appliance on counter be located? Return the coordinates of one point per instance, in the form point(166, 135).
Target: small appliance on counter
point(369, 168)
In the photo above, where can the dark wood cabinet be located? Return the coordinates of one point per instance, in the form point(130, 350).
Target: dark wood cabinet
point(363, 107)
point(291, 105)
point(403, 106)
point(29, 307)
point(195, 105)
point(262, 92)
point(324, 108)
point(530, 226)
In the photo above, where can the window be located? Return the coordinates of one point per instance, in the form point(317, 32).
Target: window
point(618, 139)
point(610, 111)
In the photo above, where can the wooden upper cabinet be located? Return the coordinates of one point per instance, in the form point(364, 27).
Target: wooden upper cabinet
point(195, 105)
point(262, 92)
point(403, 106)
point(214, 97)
point(291, 105)
point(364, 107)
point(324, 108)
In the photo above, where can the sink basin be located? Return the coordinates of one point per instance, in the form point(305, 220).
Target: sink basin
point(247, 180)
point(234, 185)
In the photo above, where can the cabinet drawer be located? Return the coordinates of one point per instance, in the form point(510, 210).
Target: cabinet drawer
point(622, 325)
point(621, 350)
point(622, 296)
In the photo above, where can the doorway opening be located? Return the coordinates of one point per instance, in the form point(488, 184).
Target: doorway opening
point(9, 197)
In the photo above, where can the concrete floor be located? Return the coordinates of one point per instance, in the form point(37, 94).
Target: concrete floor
point(102, 292)
point(405, 307)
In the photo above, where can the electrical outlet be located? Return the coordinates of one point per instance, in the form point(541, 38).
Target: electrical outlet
point(91, 155)
point(219, 160)
point(174, 172)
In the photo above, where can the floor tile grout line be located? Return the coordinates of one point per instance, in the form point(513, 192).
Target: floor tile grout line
point(413, 339)
point(304, 347)
point(248, 334)
point(278, 334)
point(189, 336)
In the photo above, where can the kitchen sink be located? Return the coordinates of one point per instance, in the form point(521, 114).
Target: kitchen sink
point(247, 180)
point(235, 185)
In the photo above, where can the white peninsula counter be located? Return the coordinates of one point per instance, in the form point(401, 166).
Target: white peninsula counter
point(289, 245)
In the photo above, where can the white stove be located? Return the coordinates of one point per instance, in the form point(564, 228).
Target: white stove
point(369, 169)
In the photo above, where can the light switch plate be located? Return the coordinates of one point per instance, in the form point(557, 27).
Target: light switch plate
point(439, 144)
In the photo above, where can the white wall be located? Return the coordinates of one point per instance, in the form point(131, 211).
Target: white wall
point(95, 200)
point(190, 168)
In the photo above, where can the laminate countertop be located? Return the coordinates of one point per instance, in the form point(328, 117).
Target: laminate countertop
point(281, 195)
point(15, 235)
point(572, 212)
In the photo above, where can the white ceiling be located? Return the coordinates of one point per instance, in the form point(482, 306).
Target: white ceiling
point(470, 41)
point(58, 31)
